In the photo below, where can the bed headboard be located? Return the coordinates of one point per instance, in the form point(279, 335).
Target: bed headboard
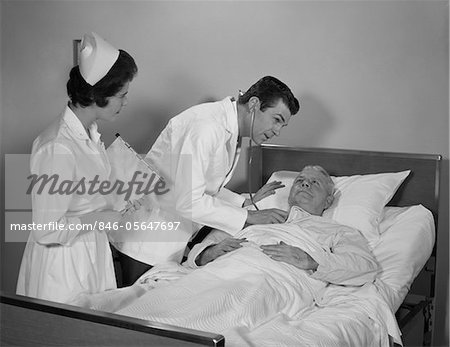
point(420, 187)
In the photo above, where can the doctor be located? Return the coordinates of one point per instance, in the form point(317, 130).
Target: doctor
point(197, 153)
point(60, 263)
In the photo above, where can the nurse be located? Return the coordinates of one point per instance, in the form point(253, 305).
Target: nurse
point(197, 153)
point(61, 262)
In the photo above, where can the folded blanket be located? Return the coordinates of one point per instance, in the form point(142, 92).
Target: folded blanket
point(116, 299)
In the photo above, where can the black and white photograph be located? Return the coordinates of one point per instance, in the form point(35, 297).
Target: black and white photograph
point(224, 173)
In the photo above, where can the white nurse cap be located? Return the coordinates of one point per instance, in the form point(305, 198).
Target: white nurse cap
point(96, 58)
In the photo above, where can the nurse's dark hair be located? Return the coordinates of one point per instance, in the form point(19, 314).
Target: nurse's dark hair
point(83, 94)
point(269, 90)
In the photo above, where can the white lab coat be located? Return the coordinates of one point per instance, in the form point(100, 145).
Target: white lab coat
point(196, 153)
point(59, 265)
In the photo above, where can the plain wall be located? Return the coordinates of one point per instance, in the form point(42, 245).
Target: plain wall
point(370, 75)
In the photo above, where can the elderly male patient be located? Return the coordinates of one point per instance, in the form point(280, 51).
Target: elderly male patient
point(348, 260)
point(266, 270)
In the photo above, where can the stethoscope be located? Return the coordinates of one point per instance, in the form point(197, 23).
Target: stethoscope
point(250, 159)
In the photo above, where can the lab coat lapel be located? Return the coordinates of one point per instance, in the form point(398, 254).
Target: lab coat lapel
point(233, 145)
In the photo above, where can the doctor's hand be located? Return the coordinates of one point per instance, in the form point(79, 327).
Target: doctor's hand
point(215, 251)
point(269, 216)
point(290, 255)
point(264, 191)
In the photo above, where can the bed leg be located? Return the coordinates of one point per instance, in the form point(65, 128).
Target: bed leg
point(428, 322)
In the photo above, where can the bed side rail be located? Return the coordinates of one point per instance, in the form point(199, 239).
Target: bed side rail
point(28, 321)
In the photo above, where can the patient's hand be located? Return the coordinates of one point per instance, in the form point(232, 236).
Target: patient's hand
point(291, 255)
point(265, 191)
point(213, 252)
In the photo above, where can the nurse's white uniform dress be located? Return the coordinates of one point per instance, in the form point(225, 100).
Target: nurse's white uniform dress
point(197, 153)
point(59, 265)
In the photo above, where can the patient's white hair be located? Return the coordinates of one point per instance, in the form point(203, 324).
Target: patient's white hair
point(330, 183)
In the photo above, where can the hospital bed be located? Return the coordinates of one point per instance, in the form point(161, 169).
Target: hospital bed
point(421, 187)
point(27, 321)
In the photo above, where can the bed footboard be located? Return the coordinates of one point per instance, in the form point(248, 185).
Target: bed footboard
point(28, 321)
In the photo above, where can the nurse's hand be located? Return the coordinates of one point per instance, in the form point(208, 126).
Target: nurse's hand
point(106, 216)
point(265, 191)
point(142, 204)
point(269, 216)
point(101, 216)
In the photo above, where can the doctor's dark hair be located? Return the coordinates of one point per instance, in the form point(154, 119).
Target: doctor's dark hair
point(269, 90)
point(83, 94)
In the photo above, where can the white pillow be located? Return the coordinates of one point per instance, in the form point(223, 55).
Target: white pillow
point(358, 200)
point(407, 239)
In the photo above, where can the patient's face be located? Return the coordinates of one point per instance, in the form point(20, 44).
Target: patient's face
point(310, 192)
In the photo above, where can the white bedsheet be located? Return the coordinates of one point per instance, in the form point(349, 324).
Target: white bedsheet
point(243, 288)
point(343, 318)
point(406, 243)
point(356, 316)
point(261, 295)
